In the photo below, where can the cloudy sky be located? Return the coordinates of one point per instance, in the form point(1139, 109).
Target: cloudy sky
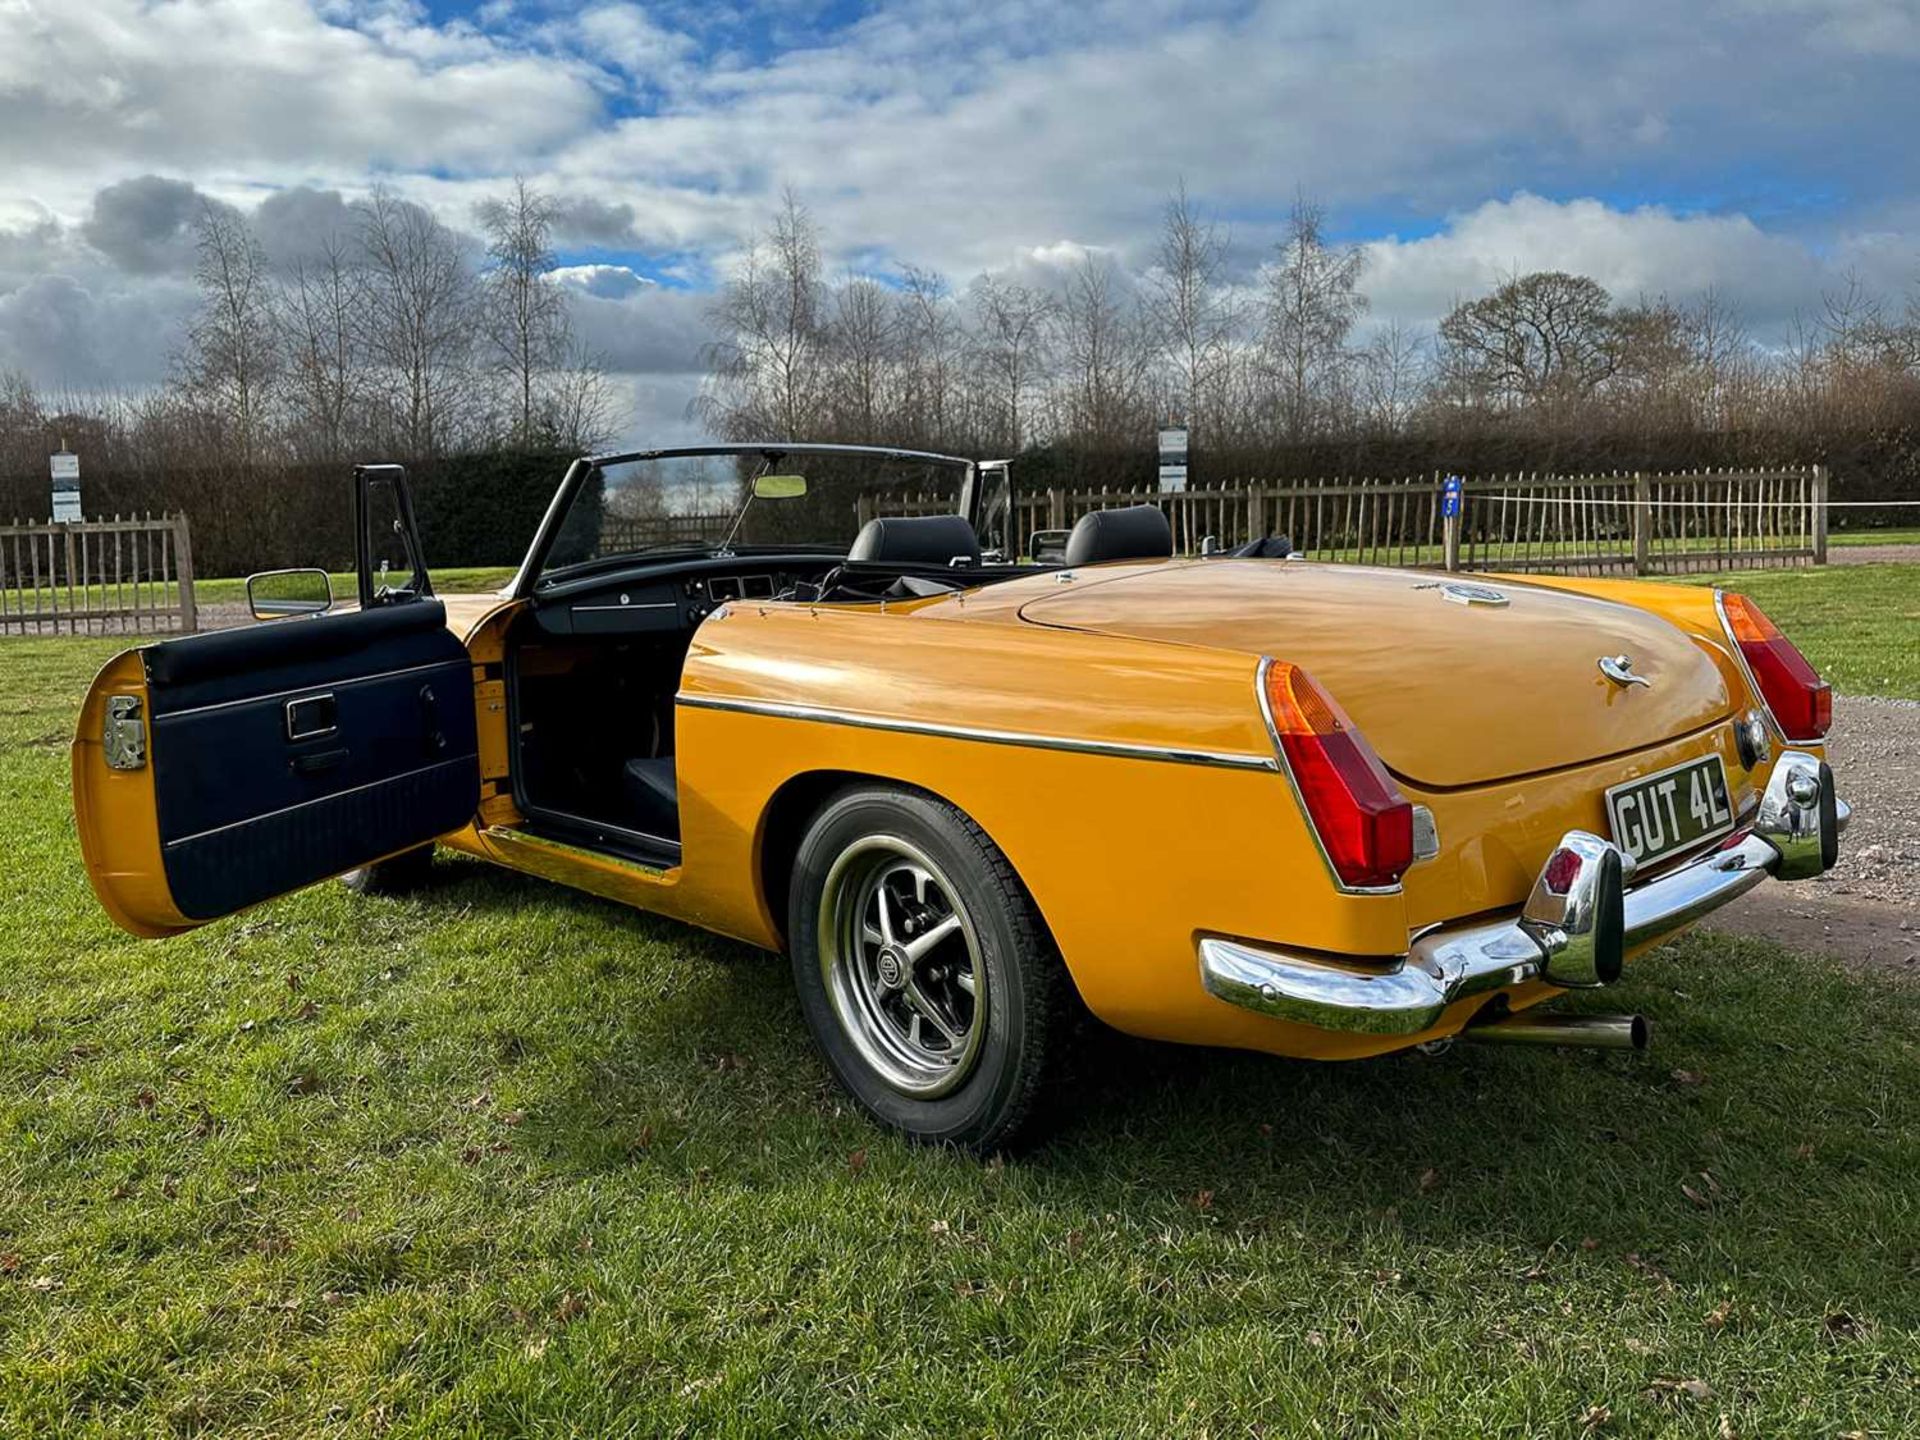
point(1765, 147)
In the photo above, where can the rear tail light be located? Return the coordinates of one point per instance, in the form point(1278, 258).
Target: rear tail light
point(1364, 823)
point(1801, 702)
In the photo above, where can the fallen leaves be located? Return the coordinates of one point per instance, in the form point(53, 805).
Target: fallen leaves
point(1649, 1269)
point(1687, 1077)
point(857, 1161)
point(1667, 1388)
point(1704, 1197)
point(306, 1082)
point(1595, 1416)
point(1429, 1180)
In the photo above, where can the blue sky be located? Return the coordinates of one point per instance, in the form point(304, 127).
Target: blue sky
point(1760, 147)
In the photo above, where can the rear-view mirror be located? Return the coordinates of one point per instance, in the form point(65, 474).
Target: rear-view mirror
point(779, 487)
point(277, 594)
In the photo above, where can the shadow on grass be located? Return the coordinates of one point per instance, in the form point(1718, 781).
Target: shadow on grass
point(1768, 1127)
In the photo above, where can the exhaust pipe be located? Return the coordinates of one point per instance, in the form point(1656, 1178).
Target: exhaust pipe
point(1593, 1032)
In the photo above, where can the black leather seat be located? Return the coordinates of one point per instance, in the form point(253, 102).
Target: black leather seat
point(653, 796)
point(917, 540)
point(1134, 532)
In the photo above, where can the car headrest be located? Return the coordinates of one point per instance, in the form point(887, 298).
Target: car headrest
point(917, 539)
point(1137, 532)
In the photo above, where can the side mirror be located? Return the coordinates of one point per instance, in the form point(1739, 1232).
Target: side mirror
point(277, 594)
point(779, 487)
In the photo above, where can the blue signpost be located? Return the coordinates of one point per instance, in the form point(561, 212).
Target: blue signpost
point(1453, 500)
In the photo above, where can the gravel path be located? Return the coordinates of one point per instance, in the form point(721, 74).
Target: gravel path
point(1872, 554)
point(1866, 910)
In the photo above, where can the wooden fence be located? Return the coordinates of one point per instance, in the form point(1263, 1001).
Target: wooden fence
point(97, 577)
point(1574, 524)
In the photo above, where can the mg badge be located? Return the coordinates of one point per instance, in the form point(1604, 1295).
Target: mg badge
point(1461, 594)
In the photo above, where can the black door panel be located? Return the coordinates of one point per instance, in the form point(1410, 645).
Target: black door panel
point(295, 750)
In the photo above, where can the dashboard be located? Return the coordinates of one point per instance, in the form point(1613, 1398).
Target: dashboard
point(657, 603)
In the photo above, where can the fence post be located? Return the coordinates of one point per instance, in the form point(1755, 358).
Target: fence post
point(1642, 524)
point(183, 572)
point(1819, 514)
point(1256, 511)
point(1056, 508)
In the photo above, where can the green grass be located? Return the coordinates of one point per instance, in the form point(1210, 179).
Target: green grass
point(501, 1159)
point(1858, 624)
point(1874, 537)
point(467, 580)
point(231, 591)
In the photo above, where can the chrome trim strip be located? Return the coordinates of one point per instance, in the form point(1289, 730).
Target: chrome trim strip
point(320, 800)
point(1119, 749)
point(1299, 799)
point(1405, 995)
point(646, 605)
point(316, 688)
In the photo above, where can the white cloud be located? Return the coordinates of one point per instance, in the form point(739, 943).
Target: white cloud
point(1644, 251)
point(605, 282)
point(1772, 135)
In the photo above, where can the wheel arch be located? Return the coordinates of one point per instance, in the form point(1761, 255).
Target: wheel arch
point(800, 797)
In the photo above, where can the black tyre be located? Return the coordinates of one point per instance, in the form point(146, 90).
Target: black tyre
point(397, 875)
point(923, 969)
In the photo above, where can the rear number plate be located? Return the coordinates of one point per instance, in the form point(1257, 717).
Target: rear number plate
point(1672, 811)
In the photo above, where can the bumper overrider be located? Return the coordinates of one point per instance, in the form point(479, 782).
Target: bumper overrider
point(1574, 931)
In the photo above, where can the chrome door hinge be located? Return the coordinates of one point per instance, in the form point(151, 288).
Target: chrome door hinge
point(126, 733)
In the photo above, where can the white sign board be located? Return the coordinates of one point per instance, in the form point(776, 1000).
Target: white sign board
point(1173, 458)
point(66, 486)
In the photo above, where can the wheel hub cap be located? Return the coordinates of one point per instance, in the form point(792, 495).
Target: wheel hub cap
point(901, 961)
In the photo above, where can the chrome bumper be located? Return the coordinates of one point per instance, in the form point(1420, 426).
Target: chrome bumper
point(1573, 931)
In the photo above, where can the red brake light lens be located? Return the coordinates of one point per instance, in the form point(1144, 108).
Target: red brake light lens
point(1365, 824)
point(1800, 700)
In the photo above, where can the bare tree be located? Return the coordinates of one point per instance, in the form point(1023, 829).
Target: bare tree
point(767, 364)
point(1393, 377)
point(933, 343)
point(524, 314)
point(1312, 303)
point(1192, 315)
point(1013, 340)
point(232, 359)
point(1102, 357)
point(863, 350)
point(418, 320)
point(577, 404)
point(321, 309)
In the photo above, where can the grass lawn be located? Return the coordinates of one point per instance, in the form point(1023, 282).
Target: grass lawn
point(501, 1159)
point(1858, 624)
point(455, 581)
point(1874, 537)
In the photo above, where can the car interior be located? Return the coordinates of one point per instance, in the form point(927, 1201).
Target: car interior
point(593, 666)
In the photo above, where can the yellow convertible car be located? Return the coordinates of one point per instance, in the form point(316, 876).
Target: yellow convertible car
point(1316, 810)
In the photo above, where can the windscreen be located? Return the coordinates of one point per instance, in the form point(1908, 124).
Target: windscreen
point(700, 501)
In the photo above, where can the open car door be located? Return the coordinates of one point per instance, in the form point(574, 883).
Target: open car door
point(216, 771)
